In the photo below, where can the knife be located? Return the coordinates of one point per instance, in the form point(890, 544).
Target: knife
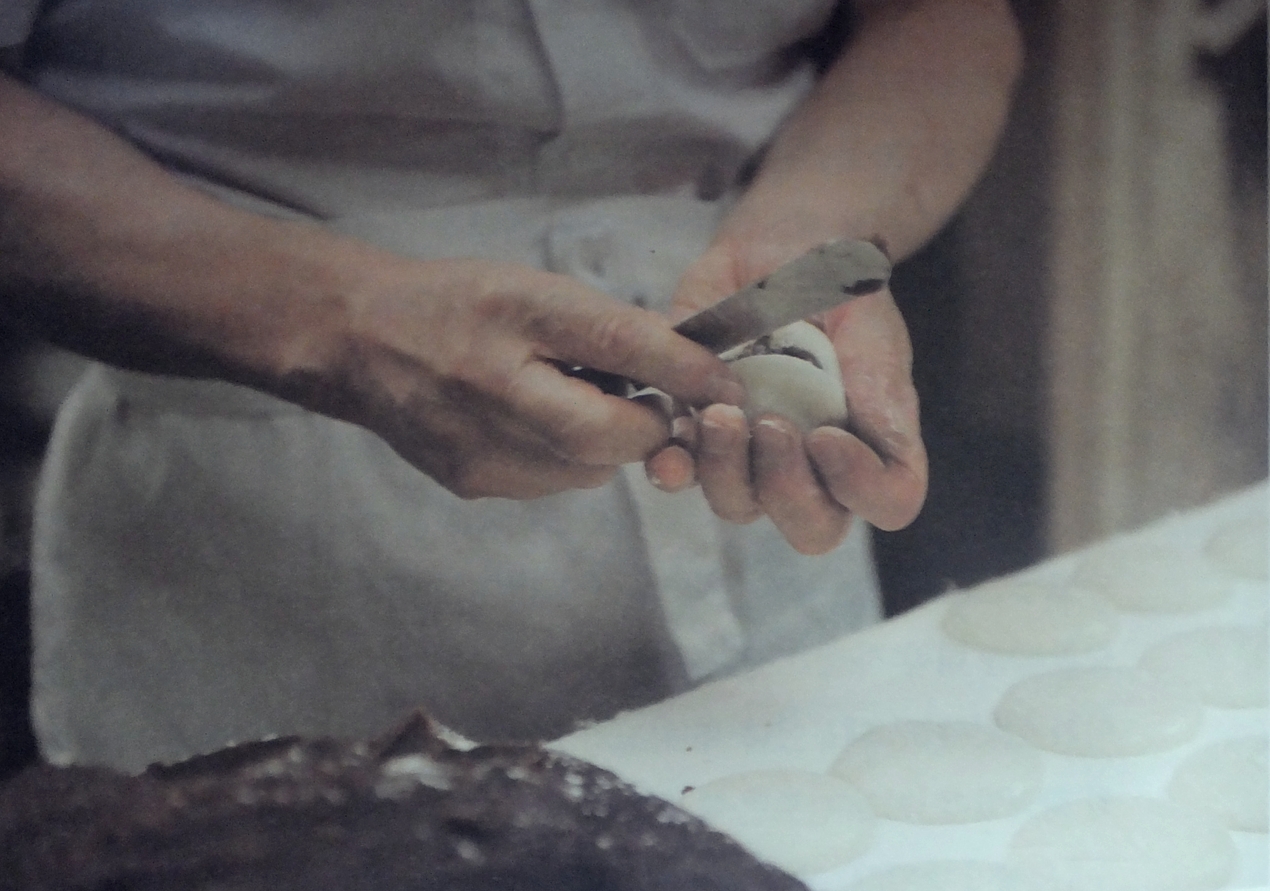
point(819, 280)
point(824, 277)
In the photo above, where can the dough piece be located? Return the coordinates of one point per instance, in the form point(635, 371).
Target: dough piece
point(1098, 712)
point(941, 772)
point(1229, 780)
point(792, 372)
point(1029, 619)
point(1123, 844)
point(943, 875)
point(1152, 578)
point(1242, 547)
point(802, 822)
point(1223, 666)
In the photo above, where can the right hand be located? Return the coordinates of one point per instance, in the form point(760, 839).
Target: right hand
point(457, 365)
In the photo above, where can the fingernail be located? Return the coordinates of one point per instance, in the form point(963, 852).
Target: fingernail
point(721, 415)
point(769, 424)
point(654, 478)
point(681, 480)
point(777, 436)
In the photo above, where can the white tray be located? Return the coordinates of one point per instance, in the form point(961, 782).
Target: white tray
point(800, 712)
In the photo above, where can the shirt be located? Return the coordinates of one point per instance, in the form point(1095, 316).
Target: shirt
point(213, 564)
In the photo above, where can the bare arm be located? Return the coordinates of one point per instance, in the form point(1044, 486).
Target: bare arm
point(897, 131)
point(104, 252)
point(889, 143)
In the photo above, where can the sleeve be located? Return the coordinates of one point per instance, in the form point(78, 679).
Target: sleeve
point(16, 19)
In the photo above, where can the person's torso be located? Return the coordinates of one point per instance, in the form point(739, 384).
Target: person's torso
point(331, 106)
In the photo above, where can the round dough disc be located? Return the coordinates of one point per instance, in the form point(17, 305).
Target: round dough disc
point(1242, 547)
point(1098, 712)
point(1225, 666)
point(941, 772)
point(803, 822)
point(1229, 780)
point(1151, 578)
point(1029, 619)
point(1123, 844)
point(942, 875)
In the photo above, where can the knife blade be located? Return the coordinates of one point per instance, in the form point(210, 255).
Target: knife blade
point(826, 276)
point(819, 280)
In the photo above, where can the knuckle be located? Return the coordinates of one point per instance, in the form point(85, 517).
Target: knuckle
point(621, 336)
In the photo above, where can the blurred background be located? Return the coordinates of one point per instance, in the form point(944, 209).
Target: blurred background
point(1090, 332)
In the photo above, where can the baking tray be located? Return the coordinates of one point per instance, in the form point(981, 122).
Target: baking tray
point(799, 713)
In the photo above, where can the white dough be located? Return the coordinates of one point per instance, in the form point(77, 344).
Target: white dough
point(1123, 844)
point(803, 822)
point(941, 772)
point(1152, 578)
point(1098, 712)
point(808, 395)
point(1225, 666)
point(791, 387)
point(1242, 547)
point(1029, 619)
point(943, 875)
point(1229, 780)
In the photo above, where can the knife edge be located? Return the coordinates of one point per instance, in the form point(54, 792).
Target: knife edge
point(824, 277)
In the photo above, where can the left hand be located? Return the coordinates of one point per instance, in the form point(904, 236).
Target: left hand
point(809, 485)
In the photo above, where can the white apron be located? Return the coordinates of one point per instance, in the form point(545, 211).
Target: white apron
point(212, 564)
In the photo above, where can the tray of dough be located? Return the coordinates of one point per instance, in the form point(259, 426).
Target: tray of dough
point(1097, 722)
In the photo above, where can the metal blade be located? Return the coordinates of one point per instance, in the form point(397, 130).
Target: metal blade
point(821, 279)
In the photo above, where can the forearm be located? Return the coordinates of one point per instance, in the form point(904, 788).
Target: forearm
point(104, 252)
point(455, 363)
point(896, 132)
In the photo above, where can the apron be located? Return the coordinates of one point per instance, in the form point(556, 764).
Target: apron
point(211, 564)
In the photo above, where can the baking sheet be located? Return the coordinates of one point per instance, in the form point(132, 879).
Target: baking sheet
point(800, 712)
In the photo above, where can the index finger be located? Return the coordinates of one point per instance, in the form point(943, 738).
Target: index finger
point(580, 424)
point(608, 335)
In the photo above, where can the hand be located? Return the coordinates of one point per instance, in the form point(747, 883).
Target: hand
point(457, 365)
point(808, 485)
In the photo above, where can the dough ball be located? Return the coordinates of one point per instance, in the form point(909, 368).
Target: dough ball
point(1229, 780)
point(1151, 578)
point(803, 822)
point(1123, 844)
point(941, 772)
point(1242, 547)
point(1224, 666)
point(792, 372)
point(1029, 619)
point(1098, 712)
point(942, 875)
